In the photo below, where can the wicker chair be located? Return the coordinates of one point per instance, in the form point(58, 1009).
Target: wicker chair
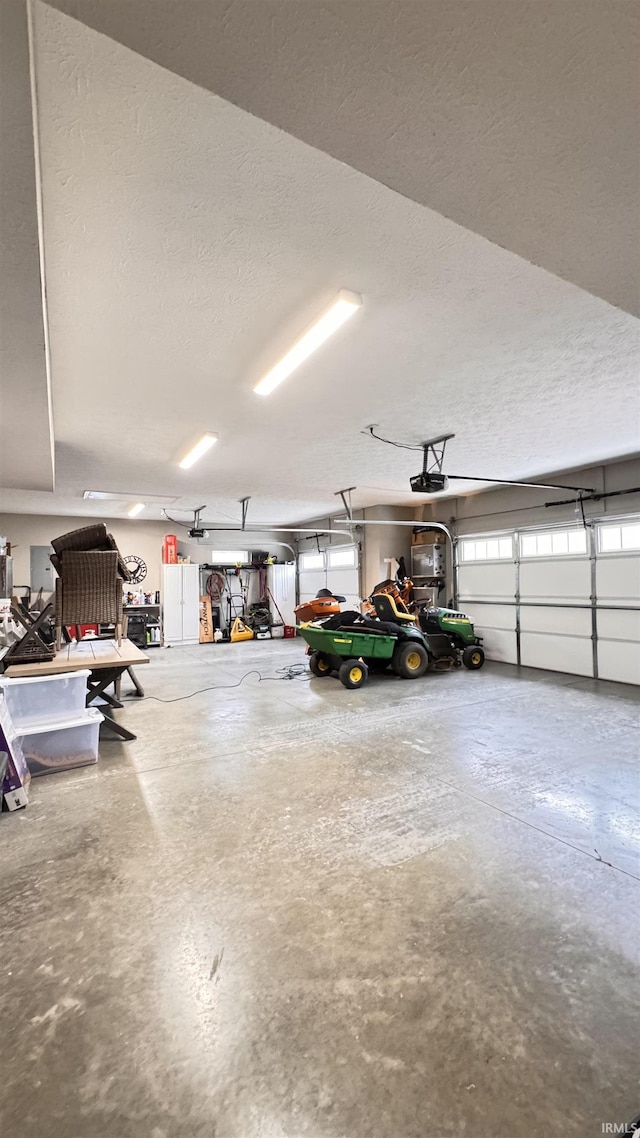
point(89, 538)
point(89, 585)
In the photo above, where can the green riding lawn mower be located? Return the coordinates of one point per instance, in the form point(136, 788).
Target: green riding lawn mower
point(353, 644)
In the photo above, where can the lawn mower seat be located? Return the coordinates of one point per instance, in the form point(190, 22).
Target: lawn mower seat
point(327, 593)
point(352, 621)
point(389, 609)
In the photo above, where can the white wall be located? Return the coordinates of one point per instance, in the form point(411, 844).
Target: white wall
point(511, 507)
point(382, 542)
point(135, 536)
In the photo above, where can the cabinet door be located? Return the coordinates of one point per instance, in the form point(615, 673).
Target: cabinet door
point(172, 603)
point(190, 602)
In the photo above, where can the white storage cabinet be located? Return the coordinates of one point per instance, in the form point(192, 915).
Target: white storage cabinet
point(180, 598)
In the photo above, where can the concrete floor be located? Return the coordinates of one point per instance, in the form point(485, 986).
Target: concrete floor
point(291, 910)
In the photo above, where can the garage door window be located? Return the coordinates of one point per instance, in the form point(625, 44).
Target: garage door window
point(342, 558)
point(229, 556)
point(489, 549)
point(309, 561)
point(555, 543)
point(617, 539)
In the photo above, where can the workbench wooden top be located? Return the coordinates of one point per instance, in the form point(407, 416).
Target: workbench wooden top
point(92, 654)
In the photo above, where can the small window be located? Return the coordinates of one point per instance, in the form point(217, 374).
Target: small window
point(229, 556)
point(489, 549)
point(630, 537)
point(342, 558)
point(311, 561)
point(577, 541)
point(555, 543)
point(624, 536)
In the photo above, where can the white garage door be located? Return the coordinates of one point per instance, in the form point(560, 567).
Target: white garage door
point(618, 592)
point(565, 599)
point(336, 569)
point(486, 592)
point(555, 568)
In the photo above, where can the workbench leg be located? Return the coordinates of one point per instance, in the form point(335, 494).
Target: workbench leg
point(136, 682)
point(111, 724)
point(98, 682)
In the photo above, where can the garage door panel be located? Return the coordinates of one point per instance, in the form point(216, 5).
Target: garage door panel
point(555, 579)
point(344, 581)
point(499, 644)
point(557, 653)
point(618, 579)
point(619, 661)
point(623, 625)
point(311, 581)
point(487, 580)
point(492, 616)
point(558, 621)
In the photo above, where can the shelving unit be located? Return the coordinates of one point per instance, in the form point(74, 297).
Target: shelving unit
point(428, 566)
point(137, 634)
point(151, 617)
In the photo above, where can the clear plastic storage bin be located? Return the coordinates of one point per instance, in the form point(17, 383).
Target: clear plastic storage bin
point(72, 743)
point(45, 699)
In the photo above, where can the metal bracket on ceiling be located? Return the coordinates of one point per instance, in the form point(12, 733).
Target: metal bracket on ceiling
point(244, 502)
point(346, 502)
point(433, 453)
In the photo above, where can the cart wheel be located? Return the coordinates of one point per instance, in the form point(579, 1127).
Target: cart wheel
point(319, 664)
point(473, 657)
point(378, 664)
point(353, 673)
point(410, 660)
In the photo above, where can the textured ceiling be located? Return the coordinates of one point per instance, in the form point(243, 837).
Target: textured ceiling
point(26, 442)
point(515, 118)
point(187, 243)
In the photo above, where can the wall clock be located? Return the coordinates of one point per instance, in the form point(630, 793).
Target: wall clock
point(136, 567)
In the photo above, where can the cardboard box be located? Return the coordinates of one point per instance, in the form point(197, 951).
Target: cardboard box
point(15, 784)
point(428, 537)
point(206, 621)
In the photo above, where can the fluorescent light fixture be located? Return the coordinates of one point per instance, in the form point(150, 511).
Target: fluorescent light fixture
point(126, 496)
point(135, 510)
point(199, 449)
point(344, 306)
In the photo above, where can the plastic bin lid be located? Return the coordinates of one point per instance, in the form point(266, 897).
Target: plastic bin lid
point(11, 681)
point(85, 718)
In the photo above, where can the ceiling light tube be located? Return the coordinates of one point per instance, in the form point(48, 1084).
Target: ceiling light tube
point(198, 450)
point(344, 306)
point(135, 510)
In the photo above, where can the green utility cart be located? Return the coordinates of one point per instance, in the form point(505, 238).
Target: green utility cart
point(353, 654)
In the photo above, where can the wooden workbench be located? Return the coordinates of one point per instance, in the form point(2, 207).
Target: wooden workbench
point(105, 660)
